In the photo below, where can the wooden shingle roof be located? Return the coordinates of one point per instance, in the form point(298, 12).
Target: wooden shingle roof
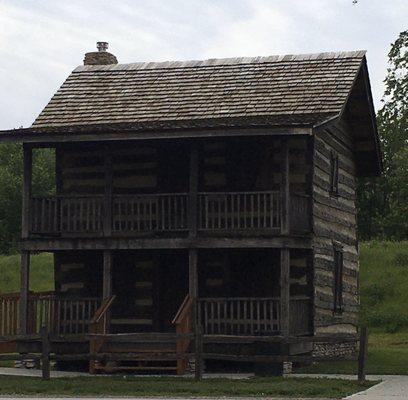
point(285, 90)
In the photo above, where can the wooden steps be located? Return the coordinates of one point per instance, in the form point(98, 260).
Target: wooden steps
point(158, 356)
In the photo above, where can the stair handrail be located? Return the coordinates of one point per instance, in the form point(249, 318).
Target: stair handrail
point(100, 315)
point(98, 324)
point(183, 311)
point(183, 322)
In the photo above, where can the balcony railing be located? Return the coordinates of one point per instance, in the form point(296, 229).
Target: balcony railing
point(161, 213)
point(150, 213)
point(67, 214)
point(239, 211)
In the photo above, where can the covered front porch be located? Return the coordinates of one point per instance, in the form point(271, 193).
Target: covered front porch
point(223, 291)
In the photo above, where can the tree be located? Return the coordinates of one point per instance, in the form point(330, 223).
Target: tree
point(382, 203)
point(11, 171)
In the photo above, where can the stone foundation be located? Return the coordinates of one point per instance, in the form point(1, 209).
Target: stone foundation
point(334, 350)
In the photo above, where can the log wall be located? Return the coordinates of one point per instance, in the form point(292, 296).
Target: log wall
point(225, 165)
point(78, 273)
point(334, 224)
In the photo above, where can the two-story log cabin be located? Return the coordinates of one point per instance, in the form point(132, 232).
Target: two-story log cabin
point(226, 183)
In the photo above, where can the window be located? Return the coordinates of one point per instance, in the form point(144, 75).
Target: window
point(334, 173)
point(338, 280)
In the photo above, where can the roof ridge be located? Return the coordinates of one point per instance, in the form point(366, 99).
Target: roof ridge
point(224, 61)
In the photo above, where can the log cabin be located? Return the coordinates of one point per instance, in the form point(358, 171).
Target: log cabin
point(216, 195)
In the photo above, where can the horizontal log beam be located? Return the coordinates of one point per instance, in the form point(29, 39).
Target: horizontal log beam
point(57, 244)
point(44, 138)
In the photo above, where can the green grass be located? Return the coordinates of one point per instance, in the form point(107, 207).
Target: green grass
point(387, 355)
point(384, 285)
point(166, 386)
point(41, 273)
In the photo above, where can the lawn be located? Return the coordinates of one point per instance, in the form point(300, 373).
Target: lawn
point(384, 285)
point(174, 386)
point(41, 273)
point(387, 355)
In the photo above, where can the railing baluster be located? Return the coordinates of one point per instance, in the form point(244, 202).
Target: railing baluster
point(264, 210)
point(252, 210)
point(239, 211)
point(232, 210)
point(227, 218)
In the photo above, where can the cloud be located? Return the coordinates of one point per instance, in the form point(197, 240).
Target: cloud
point(41, 41)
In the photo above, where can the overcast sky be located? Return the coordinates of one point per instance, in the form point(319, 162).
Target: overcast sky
point(42, 41)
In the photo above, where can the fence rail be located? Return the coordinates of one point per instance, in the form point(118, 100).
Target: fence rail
point(43, 347)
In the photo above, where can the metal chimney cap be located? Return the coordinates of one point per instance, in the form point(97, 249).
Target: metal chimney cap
point(102, 46)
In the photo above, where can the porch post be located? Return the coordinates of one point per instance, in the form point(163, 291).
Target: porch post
point(193, 289)
point(24, 291)
point(27, 176)
point(285, 215)
point(107, 273)
point(192, 273)
point(107, 222)
point(193, 190)
point(284, 291)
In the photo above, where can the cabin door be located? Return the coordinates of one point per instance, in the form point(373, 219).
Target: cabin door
point(135, 284)
point(173, 287)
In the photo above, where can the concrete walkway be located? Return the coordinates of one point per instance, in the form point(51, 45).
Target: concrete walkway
point(37, 373)
point(393, 387)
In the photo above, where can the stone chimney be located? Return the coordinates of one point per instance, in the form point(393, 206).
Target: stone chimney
point(100, 57)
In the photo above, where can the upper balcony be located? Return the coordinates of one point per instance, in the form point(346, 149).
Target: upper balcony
point(221, 213)
point(253, 187)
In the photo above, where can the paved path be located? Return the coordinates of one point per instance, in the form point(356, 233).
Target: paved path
point(393, 387)
point(37, 372)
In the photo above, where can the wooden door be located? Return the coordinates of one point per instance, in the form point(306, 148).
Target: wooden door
point(135, 287)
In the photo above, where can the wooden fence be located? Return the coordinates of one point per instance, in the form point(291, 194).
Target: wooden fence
point(42, 347)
